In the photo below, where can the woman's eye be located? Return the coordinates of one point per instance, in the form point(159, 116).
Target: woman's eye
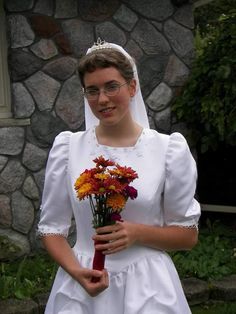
point(112, 87)
point(92, 91)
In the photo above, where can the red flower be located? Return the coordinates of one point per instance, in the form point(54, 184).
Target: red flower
point(131, 192)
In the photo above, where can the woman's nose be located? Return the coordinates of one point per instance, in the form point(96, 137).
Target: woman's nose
point(102, 97)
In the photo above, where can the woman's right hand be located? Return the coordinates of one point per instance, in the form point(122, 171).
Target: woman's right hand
point(84, 277)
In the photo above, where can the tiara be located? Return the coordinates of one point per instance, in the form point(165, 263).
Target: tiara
point(100, 44)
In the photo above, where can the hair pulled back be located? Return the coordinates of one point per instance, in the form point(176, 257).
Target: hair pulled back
point(105, 58)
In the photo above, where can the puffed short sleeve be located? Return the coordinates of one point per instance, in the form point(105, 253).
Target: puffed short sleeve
point(56, 209)
point(180, 206)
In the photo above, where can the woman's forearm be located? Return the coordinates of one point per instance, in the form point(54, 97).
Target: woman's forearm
point(167, 238)
point(59, 249)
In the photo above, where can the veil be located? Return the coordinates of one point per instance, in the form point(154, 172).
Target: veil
point(137, 106)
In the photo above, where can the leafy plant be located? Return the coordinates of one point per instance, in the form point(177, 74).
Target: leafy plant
point(212, 258)
point(208, 102)
point(27, 277)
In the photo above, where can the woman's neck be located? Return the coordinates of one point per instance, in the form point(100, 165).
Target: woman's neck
point(117, 135)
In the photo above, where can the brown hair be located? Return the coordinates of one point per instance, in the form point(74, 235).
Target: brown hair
point(105, 58)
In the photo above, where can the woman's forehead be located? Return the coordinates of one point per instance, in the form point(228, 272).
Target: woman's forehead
point(102, 75)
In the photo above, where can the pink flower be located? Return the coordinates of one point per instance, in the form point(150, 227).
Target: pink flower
point(131, 192)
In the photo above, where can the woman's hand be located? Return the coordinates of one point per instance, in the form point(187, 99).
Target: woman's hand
point(117, 237)
point(84, 277)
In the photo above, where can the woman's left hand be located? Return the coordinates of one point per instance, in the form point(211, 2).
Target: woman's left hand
point(117, 237)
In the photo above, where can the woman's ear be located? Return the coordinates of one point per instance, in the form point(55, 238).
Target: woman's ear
point(132, 87)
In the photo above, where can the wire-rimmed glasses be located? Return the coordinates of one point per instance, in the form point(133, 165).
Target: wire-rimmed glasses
point(109, 90)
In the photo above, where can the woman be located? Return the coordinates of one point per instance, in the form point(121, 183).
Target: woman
point(139, 276)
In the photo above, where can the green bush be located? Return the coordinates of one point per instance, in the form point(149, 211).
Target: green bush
point(208, 102)
point(212, 258)
point(26, 277)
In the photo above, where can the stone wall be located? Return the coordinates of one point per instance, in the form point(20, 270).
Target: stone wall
point(46, 40)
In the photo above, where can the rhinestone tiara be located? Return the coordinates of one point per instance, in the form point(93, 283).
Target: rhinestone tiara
point(101, 44)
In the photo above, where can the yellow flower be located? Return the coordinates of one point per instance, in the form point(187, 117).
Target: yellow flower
point(101, 176)
point(116, 201)
point(84, 190)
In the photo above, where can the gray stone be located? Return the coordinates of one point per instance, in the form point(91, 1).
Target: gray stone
point(184, 15)
point(12, 176)
point(20, 31)
point(44, 7)
point(23, 213)
point(39, 179)
point(3, 162)
point(23, 101)
point(157, 25)
point(44, 49)
point(181, 40)
point(111, 33)
point(19, 5)
point(44, 89)
point(62, 68)
point(125, 17)
point(176, 73)
point(22, 64)
point(34, 158)
point(30, 188)
point(5, 212)
point(12, 140)
point(163, 120)
point(70, 104)
point(15, 306)
point(224, 289)
point(45, 127)
point(150, 39)
point(160, 98)
point(97, 11)
point(134, 50)
point(12, 245)
point(196, 290)
point(66, 9)
point(79, 34)
point(152, 9)
point(152, 69)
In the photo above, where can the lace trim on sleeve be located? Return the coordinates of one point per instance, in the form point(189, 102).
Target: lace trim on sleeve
point(189, 227)
point(42, 232)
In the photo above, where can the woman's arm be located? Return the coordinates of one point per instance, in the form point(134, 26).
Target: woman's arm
point(58, 247)
point(124, 234)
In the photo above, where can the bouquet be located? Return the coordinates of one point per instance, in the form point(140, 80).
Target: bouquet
point(107, 186)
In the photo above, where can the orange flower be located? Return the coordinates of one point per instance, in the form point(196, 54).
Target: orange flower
point(126, 174)
point(116, 201)
point(101, 161)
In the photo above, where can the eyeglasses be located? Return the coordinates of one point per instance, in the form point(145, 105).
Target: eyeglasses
point(109, 90)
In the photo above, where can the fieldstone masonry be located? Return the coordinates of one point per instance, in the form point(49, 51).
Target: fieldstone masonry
point(46, 40)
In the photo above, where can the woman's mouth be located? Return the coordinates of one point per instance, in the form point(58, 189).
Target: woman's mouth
point(106, 110)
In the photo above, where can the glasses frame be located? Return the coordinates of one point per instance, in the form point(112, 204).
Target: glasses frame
point(96, 96)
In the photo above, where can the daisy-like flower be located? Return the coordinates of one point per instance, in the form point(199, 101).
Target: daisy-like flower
point(84, 190)
point(116, 202)
point(101, 161)
point(125, 174)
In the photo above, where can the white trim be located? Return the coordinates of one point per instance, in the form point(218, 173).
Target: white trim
point(5, 99)
point(218, 208)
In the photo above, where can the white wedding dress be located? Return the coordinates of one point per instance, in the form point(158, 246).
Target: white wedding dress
point(142, 280)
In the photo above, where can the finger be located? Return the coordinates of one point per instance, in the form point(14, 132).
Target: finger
point(115, 250)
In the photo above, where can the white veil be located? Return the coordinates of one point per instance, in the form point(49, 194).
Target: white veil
point(137, 106)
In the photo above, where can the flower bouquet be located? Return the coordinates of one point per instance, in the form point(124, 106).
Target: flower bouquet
point(107, 186)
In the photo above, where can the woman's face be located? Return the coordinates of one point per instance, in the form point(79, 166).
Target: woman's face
point(109, 110)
